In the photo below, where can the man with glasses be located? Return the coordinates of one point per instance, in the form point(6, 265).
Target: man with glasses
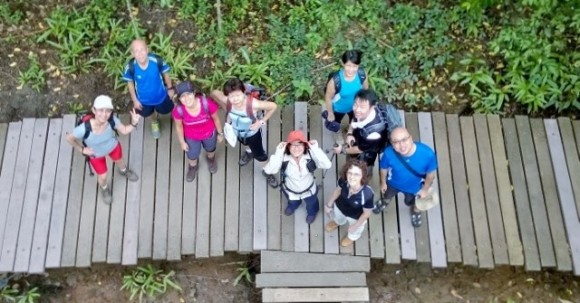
point(408, 167)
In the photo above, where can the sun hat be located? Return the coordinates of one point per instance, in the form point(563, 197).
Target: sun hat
point(184, 87)
point(103, 101)
point(296, 135)
point(430, 201)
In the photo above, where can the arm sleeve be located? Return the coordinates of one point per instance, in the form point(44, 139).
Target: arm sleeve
point(384, 162)
point(79, 132)
point(432, 163)
point(320, 158)
point(273, 166)
point(369, 197)
point(116, 122)
point(175, 114)
point(126, 74)
point(165, 67)
point(211, 105)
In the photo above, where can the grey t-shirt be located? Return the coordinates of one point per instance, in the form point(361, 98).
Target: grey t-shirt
point(103, 143)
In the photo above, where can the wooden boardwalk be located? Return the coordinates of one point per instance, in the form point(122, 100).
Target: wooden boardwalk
point(510, 195)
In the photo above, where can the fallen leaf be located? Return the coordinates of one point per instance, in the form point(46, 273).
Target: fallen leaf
point(10, 55)
point(76, 96)
point(476, 285)
point(17, 50)
point(56, 89)
point(417, 290)
point(519, 295)
point(454, 293)
point(42, 52)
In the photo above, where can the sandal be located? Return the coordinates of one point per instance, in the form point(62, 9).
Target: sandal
point(416, 218)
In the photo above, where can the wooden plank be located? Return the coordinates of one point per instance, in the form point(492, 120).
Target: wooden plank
point(287, 222)
point(162, 193)
point(536, 196)
point(408, 243)
point(48, 235)
point(28, 219)
point(87, 220)
point(350, 294)
point(280, 261)
point(274, 197)
point(132, 205)
point(526, 225)
point(260, 202)
point(478, 211)
point(203, 209)
point(561, 247)
point(468, 249)
point(147, 204)
point(218, 205)
point(246, 221)
point(232, 198)
point(343, 230)
point(496, 230)
point(328, 186)
point(114, 242)
point(316, 228)
point(189, 219)
point(436, 237)
point(565, 191)
point(572, 158)
point(576, 124)
point(375, 223)
point(3, 136)
point(17, 196)
point(446, 195)
point(301, 228)
point(311, 279)
point(391, 234)
point(175, 198)
point(7, 175)
point(67, 253)
point(101, 219)
point(508, 212)
point(422, 232)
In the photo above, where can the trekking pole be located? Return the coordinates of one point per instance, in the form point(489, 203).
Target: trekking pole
point(331, 159)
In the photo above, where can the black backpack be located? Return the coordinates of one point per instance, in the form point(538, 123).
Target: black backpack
point(389, 120)
point(362, 75)
point(159, 65)
point(310, 165)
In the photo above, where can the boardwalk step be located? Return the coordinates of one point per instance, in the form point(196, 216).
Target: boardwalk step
point(332, 279)
point(355, 294)
point(278, 261)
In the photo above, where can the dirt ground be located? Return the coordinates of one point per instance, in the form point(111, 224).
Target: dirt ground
point(211, 281)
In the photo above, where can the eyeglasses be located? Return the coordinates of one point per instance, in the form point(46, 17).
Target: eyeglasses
point(402, 140)
point(297, 144)
point(351, 174)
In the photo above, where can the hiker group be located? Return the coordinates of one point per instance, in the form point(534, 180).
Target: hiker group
point(405, 166)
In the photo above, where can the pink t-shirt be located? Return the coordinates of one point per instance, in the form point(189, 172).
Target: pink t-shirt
point(197, 127)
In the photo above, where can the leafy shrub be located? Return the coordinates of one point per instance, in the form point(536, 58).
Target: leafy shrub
point(148, 281)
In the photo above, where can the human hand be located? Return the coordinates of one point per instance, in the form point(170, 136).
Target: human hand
point(422, 193)
point(134, 117)
point(220, 138)
point(137, 105)
point(171, 93)
point(350, 140)
point(384, 188)
point(87, 151)
point(337, 148)
point(184, 146)
point(282, 145)
point(327, 209)
point(330, 117)
point(256, 125)
point(313, 143)
point(353, 227)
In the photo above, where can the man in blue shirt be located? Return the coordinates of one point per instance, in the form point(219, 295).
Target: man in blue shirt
point(413, 179)
point(149, 84)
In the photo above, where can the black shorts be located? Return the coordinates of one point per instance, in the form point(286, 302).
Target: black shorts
point(256, 146)
point(163, 108)
point(391, 192)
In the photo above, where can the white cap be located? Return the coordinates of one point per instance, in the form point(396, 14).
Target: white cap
point(103, 101)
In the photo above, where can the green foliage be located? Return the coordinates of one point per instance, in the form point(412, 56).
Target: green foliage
point(8, 294)
point(29, 296)
point(244, 273)
point(10, 14)
point(179, 59)
point(34, 76)
point(148, 281)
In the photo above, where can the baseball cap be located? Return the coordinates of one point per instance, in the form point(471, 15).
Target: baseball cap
point(184, 87)
point(103, 101)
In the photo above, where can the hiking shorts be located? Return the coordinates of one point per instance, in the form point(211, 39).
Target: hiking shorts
point(163, 108)
point(100, 164)
point(338, 116)
point(256, 146)
point(391, 192)
point(209, 145)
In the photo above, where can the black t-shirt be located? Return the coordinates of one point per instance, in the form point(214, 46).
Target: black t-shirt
point(365, 144)
point(352, 206)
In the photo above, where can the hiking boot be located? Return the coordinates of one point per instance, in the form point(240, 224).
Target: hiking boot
point(330, 226)
point(346, 242)
point(246, 158)
point(271, 179)
point(107, 195)
point(212, 165)
point(289, 211)
point(310, 219)
point(191, 173)
point(155, 132)
point(129, 174)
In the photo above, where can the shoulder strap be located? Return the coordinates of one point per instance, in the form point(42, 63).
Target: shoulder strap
point(112, 122)
point(408, 167)
point(283, 167)
point(159, 63)
point(250, 108)
point(362, 75)
point(336, 80)
point(132, 67)
point(88, 129)
point(179, 110)
point(204, 105)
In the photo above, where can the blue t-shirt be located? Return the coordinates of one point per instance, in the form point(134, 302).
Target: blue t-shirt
point(103, 143)
point(348, 90)
point(423, 161)
point(149, 84)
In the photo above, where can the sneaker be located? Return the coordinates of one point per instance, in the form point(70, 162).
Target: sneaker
point(381, 205)
point(271, 179)
point(330, 226)
point(416, 218)
point(155, 132)
point(346, 242)
point(191, 173)
point(129, 174)
point(212, 165)
point(288, 211)
point(107, 195)
point(310, 219)
point(245, 159)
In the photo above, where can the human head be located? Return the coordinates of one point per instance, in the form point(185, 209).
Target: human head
point(350, 62)
point(183, 89)
point(139, 51)
point(103, 102)
point(364, 102)
point(296, 142)
point(402, 141)
point(353, 170)
point(235, 90)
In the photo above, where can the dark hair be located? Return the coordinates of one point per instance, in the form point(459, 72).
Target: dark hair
point(233, 85)
point(368, 95)
point(353, 55)
point(358, 163)
point(287, 149)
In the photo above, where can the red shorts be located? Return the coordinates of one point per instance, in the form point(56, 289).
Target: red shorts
point(100, 164)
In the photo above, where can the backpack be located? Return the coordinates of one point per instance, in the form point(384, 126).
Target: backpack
point(389, 120)
point(252, 93)
point(84, 117)
point(362, 75)
point(203, 104)
point(131, 69)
